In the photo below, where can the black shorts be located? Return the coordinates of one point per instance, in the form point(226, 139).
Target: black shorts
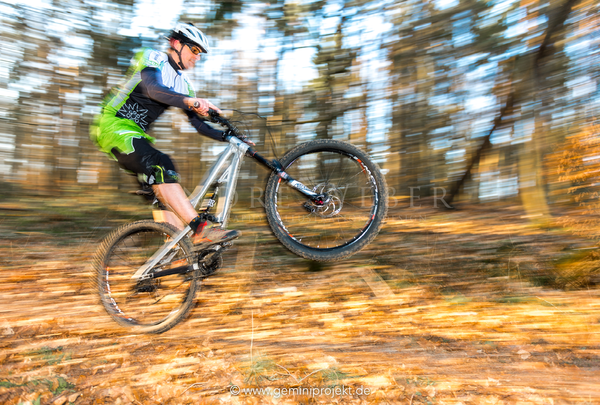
point(145, 159)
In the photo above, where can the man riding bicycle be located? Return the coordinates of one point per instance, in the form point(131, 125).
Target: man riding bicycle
point(156, 81)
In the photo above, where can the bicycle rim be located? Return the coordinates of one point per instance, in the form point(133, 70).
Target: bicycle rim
point(350, 211)
point(155, 304)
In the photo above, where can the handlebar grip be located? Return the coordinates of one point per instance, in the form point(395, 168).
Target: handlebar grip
point(212, 113)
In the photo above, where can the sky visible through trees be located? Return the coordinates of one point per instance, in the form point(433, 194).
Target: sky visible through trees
point(423, 86)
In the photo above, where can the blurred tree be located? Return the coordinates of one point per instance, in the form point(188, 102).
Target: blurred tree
point(106, 63)
point(576, 164)
point(526, 80)
point(334, 63)
point(471, 94)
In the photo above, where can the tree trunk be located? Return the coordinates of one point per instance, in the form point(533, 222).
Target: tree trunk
point(557, 18)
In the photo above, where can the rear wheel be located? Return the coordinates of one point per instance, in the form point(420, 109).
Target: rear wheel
point(348, 217)
point(156, 304)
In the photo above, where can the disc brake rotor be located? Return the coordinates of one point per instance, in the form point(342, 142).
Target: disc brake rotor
point(330, 206)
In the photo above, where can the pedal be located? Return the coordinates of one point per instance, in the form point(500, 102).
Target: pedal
point(208, 202)
point(216, 247)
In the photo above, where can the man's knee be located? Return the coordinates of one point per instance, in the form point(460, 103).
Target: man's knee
point(163, 169)
point(163, 175)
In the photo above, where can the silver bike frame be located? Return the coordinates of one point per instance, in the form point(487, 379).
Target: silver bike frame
point(231, 157)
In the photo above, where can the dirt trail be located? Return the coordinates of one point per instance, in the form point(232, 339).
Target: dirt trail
point(441, 309)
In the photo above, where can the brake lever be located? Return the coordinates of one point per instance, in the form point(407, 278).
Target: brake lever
point(214, 115)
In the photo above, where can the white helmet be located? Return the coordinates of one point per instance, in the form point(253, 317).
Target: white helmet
point(187, 32)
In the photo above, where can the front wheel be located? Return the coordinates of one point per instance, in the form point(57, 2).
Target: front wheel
point(350, 216)
point(155, 304)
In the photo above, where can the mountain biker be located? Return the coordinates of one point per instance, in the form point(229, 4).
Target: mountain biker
point(154, 82)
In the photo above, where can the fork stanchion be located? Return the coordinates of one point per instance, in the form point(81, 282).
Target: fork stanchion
point(276, 167)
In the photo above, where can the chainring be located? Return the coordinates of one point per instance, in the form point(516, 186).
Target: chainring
point(209, 261)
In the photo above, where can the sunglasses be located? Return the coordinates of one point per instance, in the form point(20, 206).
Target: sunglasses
point(195, 49)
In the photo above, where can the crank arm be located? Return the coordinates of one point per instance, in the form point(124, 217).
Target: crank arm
point(174, 270)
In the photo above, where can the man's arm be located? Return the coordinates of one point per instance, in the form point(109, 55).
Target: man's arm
point(203, 128)
point(156, 90)
point(152, 81)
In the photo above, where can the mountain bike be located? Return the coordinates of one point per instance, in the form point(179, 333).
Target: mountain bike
point(324, 200)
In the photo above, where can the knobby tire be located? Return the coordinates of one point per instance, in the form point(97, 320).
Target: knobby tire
point(349, 222)
point(153, 306)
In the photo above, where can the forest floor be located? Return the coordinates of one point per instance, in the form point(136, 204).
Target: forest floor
point(471, 306)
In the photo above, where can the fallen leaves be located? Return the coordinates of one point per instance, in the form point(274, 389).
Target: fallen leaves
point(416, 327)
point(524, 354)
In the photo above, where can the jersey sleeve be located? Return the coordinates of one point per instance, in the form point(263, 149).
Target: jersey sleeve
point(156, 90)
point(203, 128)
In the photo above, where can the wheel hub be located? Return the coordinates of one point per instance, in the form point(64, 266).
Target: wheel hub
point(328, 203)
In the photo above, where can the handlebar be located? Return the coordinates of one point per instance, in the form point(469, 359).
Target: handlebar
point(216, 118)
point(273, 165)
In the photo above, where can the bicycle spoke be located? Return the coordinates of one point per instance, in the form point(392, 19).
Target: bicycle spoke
point(339, 221)
point(148, 302)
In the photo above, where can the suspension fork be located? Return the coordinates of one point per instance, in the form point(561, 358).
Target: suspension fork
point(276, 167)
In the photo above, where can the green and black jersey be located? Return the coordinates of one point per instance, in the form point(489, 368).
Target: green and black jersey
point(153, 83)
